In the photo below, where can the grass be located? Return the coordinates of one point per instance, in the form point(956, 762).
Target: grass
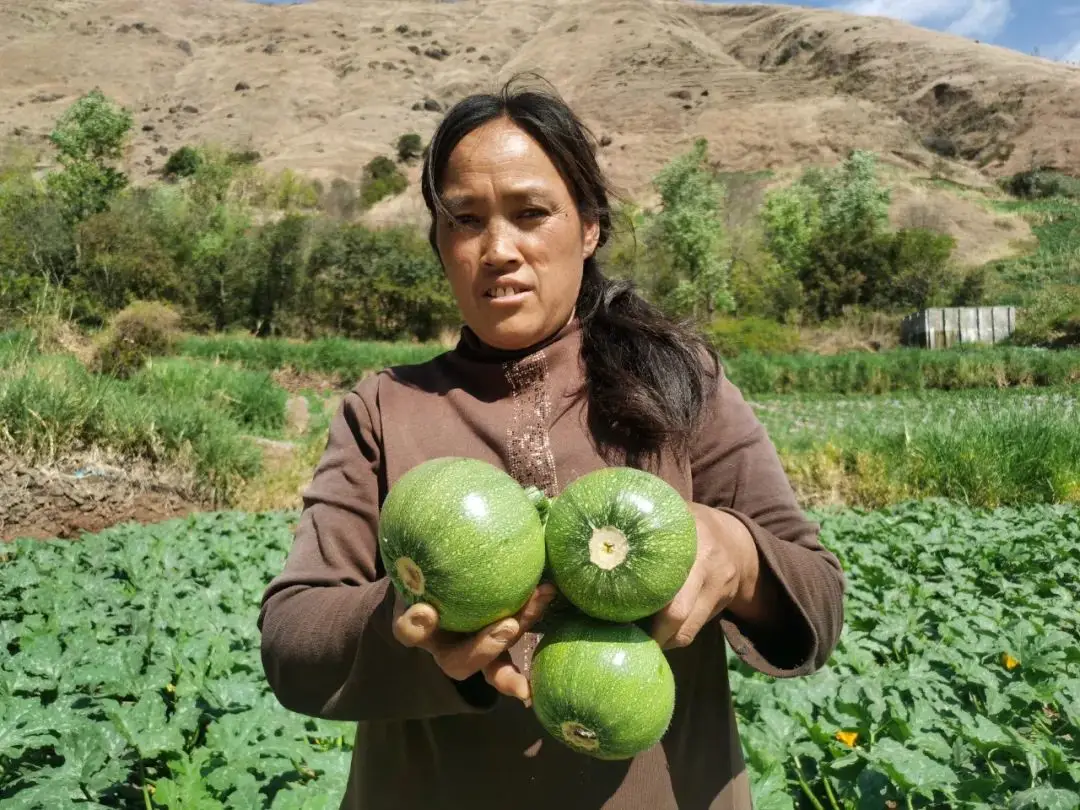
point(249, 398)
point(979, 448)
point(349, 360)
point(1056, 260)
point(755, 374)
point(903, 370)
point(176, 412)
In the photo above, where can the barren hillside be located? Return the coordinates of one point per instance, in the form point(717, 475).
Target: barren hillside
point(324, 86)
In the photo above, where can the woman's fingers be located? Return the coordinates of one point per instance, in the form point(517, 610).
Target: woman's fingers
point(667, 623)
point(485, 651)
point(535, 607)
point(506, 678)
point(417, 627)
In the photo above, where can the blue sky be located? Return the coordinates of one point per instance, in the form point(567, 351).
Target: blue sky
point(1051, 26)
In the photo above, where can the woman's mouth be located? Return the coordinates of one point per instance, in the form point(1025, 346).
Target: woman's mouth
point(506, 294)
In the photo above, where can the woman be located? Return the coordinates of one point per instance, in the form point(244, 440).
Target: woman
point(558, 372)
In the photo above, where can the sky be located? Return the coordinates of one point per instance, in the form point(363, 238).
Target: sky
point(1050, 28)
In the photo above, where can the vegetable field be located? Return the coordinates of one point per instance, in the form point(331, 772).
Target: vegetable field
point(131, 674)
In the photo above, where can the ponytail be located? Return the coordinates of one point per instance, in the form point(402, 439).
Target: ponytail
point(646, 380)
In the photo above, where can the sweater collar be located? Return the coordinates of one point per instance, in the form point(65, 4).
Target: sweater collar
point(471, 347)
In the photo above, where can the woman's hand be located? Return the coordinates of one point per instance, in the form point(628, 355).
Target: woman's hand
point(725, 575)
point(487, 651)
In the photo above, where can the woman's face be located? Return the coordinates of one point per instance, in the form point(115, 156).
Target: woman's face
point(515, 254)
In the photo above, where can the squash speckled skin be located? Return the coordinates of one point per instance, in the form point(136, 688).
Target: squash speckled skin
point(463, 536)
point(605, 690)
point(650, 519)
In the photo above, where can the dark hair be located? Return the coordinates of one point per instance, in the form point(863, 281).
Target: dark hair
point(646, 381)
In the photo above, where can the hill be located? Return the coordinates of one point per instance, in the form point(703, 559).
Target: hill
point(324, 86)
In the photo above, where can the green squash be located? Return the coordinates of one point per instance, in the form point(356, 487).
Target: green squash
point(603, 689)
point(620, 543)
point(464, 537)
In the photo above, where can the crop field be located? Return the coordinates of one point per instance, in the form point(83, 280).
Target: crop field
point(948, 483)
point(132, 675)
point(978, 447)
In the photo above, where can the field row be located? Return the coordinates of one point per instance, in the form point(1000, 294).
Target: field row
point(983, 447)
point(132, 676)
point(849, 373)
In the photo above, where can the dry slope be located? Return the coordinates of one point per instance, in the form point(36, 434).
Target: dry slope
point(324, 86)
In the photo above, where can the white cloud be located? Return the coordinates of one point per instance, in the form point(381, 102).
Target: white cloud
point(1072, 53)
point(984, 19)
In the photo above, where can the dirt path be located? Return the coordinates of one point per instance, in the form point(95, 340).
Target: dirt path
point(66, 500)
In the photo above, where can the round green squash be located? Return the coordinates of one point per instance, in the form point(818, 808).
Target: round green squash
point(463, 536)
point(603, 689)
point(620, 543)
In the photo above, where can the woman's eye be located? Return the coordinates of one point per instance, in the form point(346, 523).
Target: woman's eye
point(464, 221)
point(533, 213)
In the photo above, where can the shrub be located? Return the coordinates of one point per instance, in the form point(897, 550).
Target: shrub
point(409, 147)
point(1036, 184)
point(917, 271)
point(828, 230)
point(382, 179)
point(734, 336)
point(142, 330)
point(184, 162)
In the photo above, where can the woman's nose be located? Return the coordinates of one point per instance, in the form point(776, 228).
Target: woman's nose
point(500, 246)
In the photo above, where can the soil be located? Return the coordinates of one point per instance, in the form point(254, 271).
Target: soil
point(65, 501)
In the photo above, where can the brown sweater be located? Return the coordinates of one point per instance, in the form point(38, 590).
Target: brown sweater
point(426, 741)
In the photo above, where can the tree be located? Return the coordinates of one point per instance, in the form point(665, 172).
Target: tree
point(830, 228)
point(89, 137)
point(688, 235)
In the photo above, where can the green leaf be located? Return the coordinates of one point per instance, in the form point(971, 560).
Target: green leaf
point(770, 791)
point(95, 756)
point(1045, 798)
point(987, 735)
point(23, 724)
point(912, 771)
point(144, 726)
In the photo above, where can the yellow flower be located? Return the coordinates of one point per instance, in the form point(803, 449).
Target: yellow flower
point(848, 738)
point(1009, 662)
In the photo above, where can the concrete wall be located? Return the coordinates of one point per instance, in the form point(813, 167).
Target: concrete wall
point(944, 327)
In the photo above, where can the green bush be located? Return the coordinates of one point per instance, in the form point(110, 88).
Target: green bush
point(184, 162)
point(409, 147)
point(140, 331)
point(1037, 184)
point(382, 178)
point(830, 230)
point(732, 337)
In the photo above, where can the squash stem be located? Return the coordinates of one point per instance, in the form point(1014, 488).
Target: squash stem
point(805, 787)
point(829, 790)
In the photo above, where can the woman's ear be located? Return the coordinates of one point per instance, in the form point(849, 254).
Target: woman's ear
point(592, 238)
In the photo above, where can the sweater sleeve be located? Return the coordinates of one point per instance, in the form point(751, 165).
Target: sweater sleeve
point(328, 648)
point(736, 469)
